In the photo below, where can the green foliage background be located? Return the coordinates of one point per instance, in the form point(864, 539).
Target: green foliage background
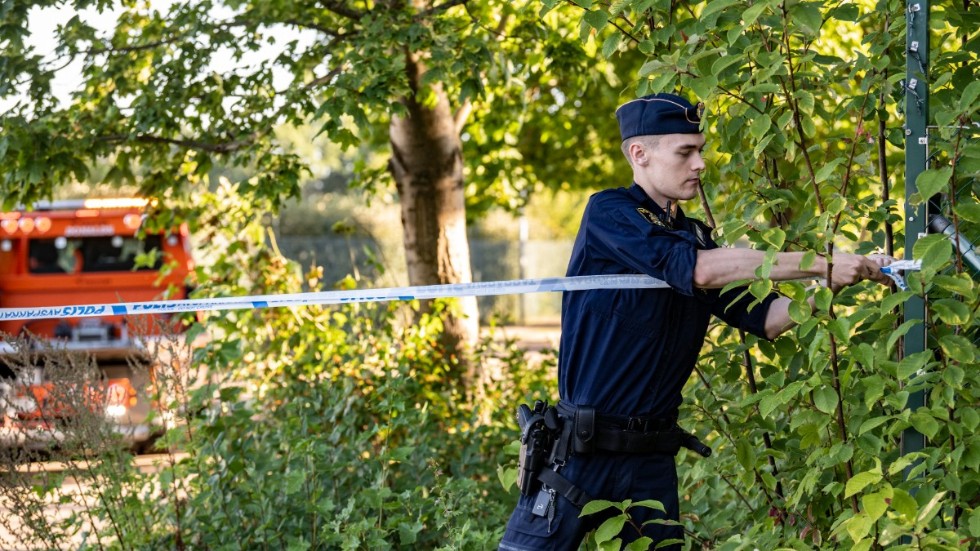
point(804, 118)
point(335, 428)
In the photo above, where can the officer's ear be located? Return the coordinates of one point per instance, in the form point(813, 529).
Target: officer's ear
point(638, 153)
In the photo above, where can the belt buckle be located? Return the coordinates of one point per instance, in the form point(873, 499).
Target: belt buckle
point(637, 424)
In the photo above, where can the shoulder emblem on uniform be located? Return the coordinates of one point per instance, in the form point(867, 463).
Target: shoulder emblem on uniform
point(650, 217)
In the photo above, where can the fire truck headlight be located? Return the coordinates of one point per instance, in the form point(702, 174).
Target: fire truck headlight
point(115, 410)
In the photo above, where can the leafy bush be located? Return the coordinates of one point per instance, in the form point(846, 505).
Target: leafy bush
point(339, 427)
point(806, 109)
point(309, 428)
point(358, 443)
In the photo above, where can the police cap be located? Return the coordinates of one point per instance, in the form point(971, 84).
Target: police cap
point(659, 114)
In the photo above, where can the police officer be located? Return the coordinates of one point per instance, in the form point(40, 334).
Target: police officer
point(625, 354)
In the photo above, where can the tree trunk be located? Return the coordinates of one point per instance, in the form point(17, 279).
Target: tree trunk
point(427, 165)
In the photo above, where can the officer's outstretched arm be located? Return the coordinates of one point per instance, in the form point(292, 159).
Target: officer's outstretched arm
point(716, 268)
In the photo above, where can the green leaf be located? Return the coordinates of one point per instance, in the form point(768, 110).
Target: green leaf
point(507, 476)
point(704, 86)
point(724, 61)
point(750, 15)
point(596, 19)
point(806, 101)
point(610, 529)
point(874, 389)
point(717, 5)
point(904, 504)
point(865, 355)
point(650, 504)
point(827, 169)
point(901, 331)
point(769, 404)
point(912, 363)
point(800, 311)
point(891, 301)
point(969, 212)
point(969, 96)
point(934, 251)
point(611, 44)
point(930, 510)
point(902, 463)
point(840, 328)
point(860, 481)
point(595, 506)
point(858, 526)
point(960, 284)
point(825, 398)
point(774, 236)
point(846, 12)
point(807, 16)
point(953, 375)
point(293, 482)
point(932, 181)
point(641, 544)
point(925, 424)
point(760, 126)
point(822, 298)
point(808, 258)
point(970, 417)
point(873, 423)
point(973, 523)
point(745, 453)
point(951, 311)
point(809, 127)
point(408, 532)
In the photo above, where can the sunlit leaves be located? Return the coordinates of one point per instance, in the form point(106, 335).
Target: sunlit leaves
point(930, 182)
point(802, 101)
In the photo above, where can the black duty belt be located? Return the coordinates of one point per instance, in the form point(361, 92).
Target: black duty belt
point(593, 432)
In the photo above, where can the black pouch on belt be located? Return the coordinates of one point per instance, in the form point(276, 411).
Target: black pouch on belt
point(584, 441)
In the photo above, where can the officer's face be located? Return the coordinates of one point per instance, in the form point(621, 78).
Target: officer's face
point(669, 169)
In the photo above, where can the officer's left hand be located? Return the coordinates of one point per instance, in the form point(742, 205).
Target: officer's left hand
point(880, 260)
point(852, 268)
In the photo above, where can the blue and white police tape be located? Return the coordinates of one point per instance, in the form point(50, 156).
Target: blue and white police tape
point(893, 271)
point(483, 288)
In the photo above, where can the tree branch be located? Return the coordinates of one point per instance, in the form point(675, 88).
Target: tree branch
point(462, 114)
point(443, 7)
point(333, 33)
point(225, 147)
point(341, 10)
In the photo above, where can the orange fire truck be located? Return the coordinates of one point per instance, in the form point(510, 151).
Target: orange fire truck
point(75, 253)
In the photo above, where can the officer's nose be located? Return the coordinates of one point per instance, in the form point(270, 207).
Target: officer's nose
point(698, 163)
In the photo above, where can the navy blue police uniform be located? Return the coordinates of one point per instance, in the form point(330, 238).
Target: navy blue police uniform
point(627, 353)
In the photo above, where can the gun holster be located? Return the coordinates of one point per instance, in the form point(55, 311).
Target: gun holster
point(540, 431)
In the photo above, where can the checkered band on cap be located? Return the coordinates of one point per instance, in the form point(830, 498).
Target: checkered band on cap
point(659, 114)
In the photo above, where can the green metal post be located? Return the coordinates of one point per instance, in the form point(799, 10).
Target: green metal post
point(916, 147)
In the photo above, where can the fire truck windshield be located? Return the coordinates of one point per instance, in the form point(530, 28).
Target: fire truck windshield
point(63, 255)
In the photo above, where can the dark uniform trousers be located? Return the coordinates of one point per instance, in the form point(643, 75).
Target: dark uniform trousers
point(613, 477)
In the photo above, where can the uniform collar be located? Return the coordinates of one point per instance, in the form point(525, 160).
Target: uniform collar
point(678, 221)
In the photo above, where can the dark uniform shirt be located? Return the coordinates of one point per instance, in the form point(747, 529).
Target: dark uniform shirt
point(630, 351)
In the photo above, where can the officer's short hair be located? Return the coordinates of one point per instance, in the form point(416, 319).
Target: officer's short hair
point(649, 141)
